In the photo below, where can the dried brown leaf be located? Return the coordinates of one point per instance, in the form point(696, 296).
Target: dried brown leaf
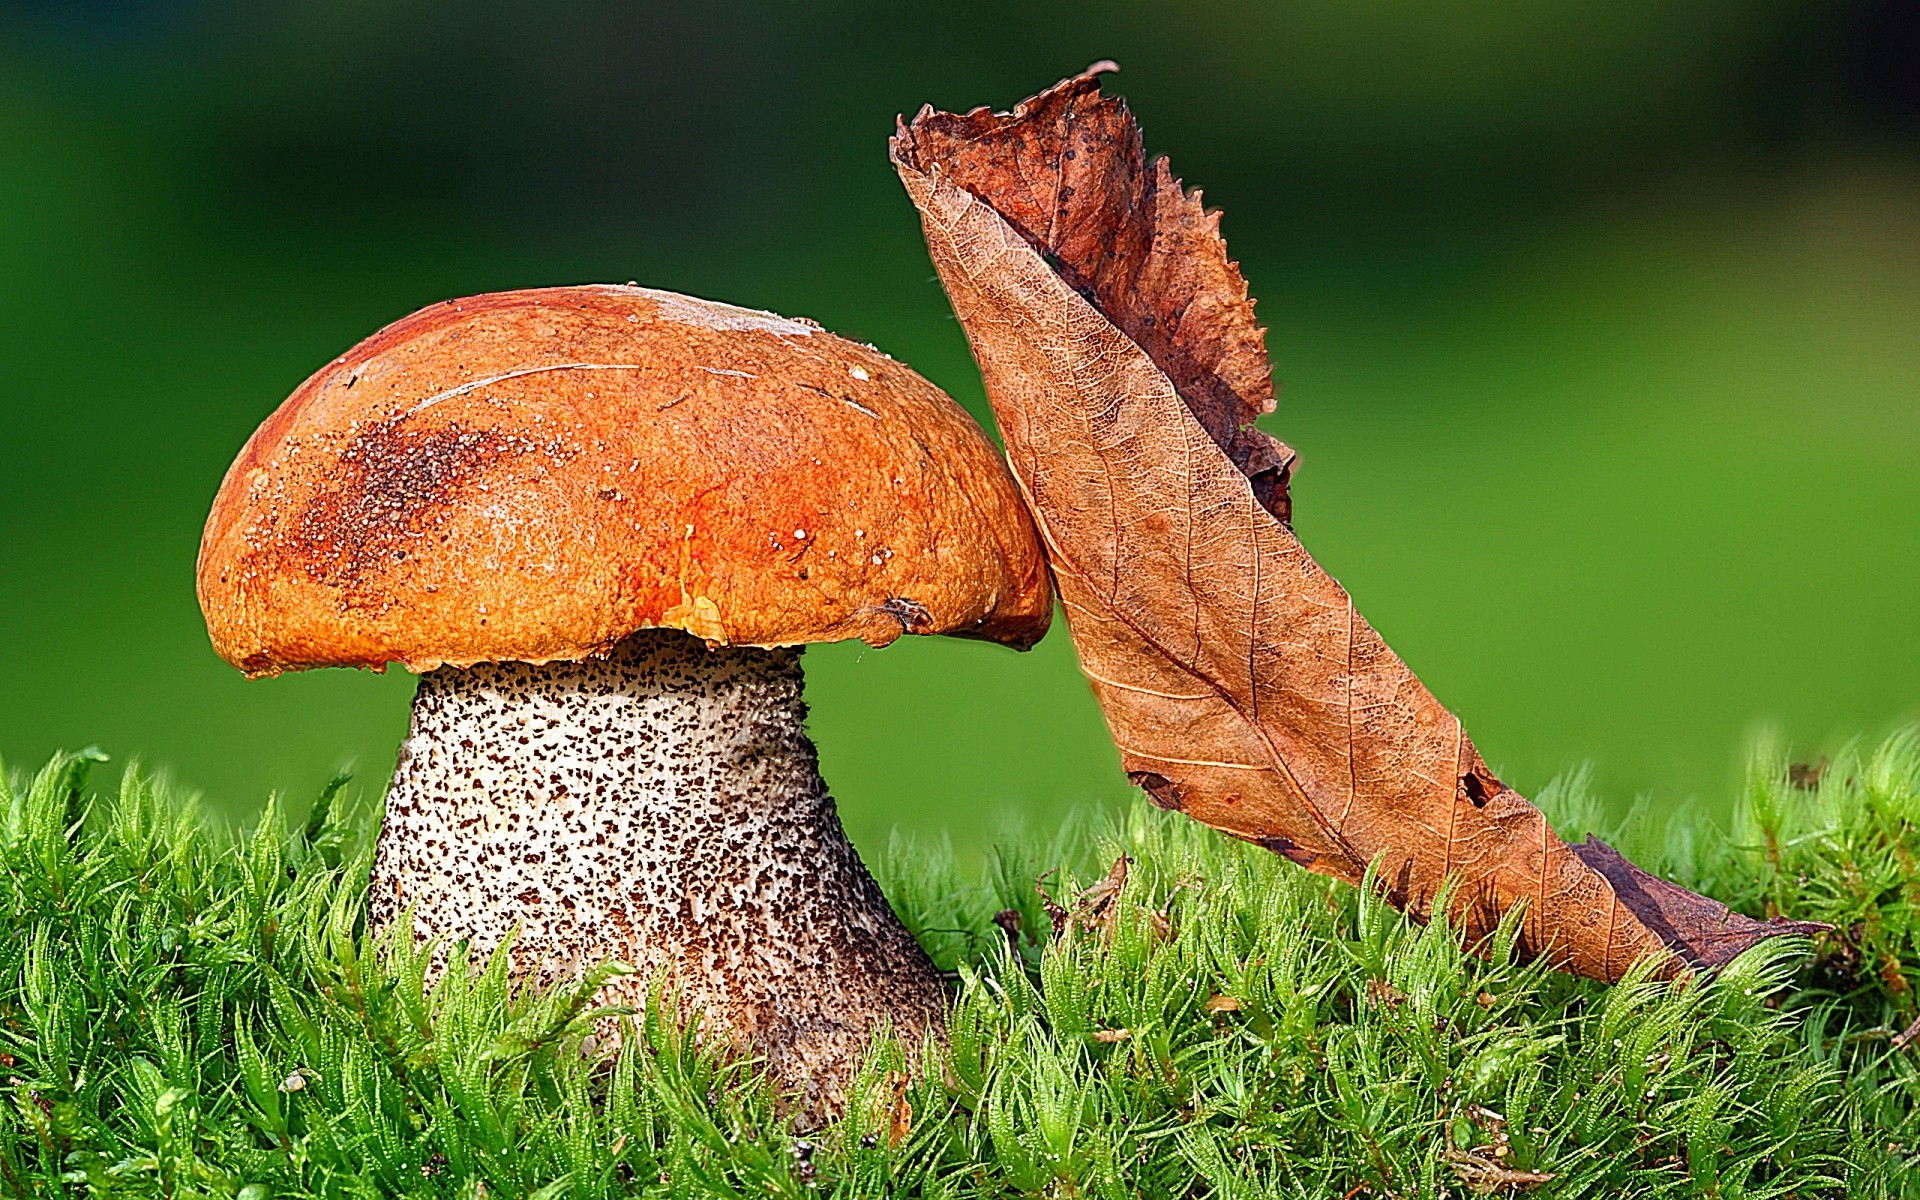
point(1096, 908)
point(1121, 354)
point(1161, 924)
point(899, 1108)
point(1381, 994)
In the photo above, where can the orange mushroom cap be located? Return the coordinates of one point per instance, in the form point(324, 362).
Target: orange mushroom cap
point(536, 475)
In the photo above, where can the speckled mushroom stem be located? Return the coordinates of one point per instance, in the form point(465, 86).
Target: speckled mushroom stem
point(662, 806)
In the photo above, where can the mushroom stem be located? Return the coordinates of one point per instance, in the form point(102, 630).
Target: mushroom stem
point(662, 806)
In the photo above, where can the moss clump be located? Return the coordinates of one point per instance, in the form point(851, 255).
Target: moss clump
point(190, 1012)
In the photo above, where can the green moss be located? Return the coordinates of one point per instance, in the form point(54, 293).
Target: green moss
point(190, 1012)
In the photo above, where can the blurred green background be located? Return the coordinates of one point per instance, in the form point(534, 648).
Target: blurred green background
point(1597, 324)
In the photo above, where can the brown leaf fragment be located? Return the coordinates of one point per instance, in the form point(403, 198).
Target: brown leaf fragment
point(1807, 776)
point(1161, 924)
point(1120, 351)
point(1095, 907)
point(1057, 915)
point(1484, 1175)
point(1381, 994)
point(1110, 1036)
point(1222, 1004)
point(899, 1108)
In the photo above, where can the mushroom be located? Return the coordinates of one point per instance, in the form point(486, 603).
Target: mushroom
point(602, 523)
